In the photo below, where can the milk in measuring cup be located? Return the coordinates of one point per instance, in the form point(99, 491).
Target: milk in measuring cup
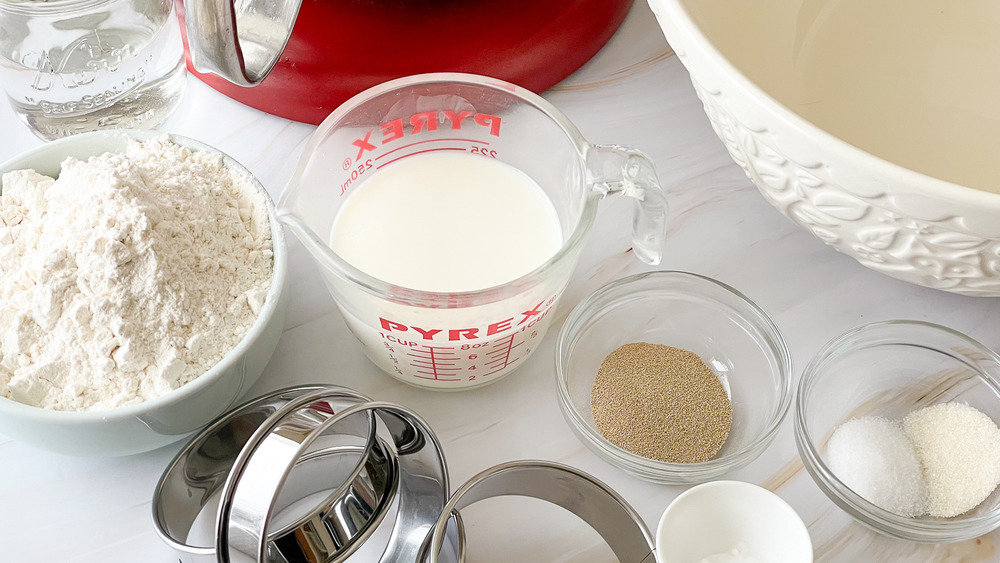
point(447, 212)
point(447, 221)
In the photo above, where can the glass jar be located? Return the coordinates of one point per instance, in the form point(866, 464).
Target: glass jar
point(71, 66)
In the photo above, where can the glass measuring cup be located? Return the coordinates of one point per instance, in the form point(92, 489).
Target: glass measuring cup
point(461, 339)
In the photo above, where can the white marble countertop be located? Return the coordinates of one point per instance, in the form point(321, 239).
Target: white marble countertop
point(55, 508)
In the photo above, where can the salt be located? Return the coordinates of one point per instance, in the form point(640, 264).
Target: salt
point(959, 449)
point(873, 456)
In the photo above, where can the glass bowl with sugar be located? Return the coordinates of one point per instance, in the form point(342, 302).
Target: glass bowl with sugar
point(895, 422)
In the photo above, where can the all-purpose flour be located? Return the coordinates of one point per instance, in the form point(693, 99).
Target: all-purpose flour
point(127, 277)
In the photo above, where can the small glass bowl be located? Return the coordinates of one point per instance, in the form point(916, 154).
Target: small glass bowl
point(730, 333)
point(889, 369)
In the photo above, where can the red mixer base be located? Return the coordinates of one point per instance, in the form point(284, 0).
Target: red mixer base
point(341, 47)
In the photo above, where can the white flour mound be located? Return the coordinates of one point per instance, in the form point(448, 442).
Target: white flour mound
point(128, 276)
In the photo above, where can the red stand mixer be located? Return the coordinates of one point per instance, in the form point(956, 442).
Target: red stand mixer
point(301, 63)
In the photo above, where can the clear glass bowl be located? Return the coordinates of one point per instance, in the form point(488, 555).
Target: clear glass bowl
point(889, 369)
point(729, 332)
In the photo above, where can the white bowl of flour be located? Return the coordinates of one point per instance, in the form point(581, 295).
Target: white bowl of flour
point(140, 290)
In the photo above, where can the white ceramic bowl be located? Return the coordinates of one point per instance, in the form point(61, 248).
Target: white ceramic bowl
point(718, 517)
point(892, 219)
point(155, 423)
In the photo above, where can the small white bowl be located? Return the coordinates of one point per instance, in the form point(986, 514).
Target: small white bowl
point(717, 517)
point(163, 420)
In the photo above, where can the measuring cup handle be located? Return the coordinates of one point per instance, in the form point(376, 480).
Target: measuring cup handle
point(214, 36)
point(618, 170)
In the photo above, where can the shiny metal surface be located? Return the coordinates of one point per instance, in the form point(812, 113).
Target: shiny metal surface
point(239, 41)
point(265, 469)
point(593, 501)
point(203, 469)
point(341, 521)
point(421, 493)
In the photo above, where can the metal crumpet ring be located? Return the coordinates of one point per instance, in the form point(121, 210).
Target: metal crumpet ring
point(204, 466)
point(420, 493)
point(307, 426)
point(597, 504)
point(311, 475)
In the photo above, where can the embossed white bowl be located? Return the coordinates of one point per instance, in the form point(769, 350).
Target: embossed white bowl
point(145, 426)
point(894, 220)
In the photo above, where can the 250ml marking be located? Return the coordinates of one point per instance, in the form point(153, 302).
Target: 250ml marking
point(401, 128)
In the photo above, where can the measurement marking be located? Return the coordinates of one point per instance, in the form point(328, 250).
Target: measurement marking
point(429, 363)
point(514, 361)
point(439, 369)
point(499, 361)
point(505, 352)
point(435, 377)
point(431, 141)
point(419, 152)
point(504, 348)
point(435, 363)
point(430, 353)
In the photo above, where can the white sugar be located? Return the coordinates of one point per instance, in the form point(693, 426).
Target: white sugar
point(959, 450)
point(873, 457)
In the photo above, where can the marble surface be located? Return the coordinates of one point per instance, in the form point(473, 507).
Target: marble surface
point(56, 508)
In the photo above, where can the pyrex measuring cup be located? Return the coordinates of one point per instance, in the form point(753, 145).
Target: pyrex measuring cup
point(461, 339)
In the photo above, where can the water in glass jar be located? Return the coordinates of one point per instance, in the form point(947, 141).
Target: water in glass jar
point(105, 65)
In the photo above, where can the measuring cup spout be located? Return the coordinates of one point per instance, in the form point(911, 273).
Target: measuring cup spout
point(309, 239)
point(618, 170)
point(239, 41)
